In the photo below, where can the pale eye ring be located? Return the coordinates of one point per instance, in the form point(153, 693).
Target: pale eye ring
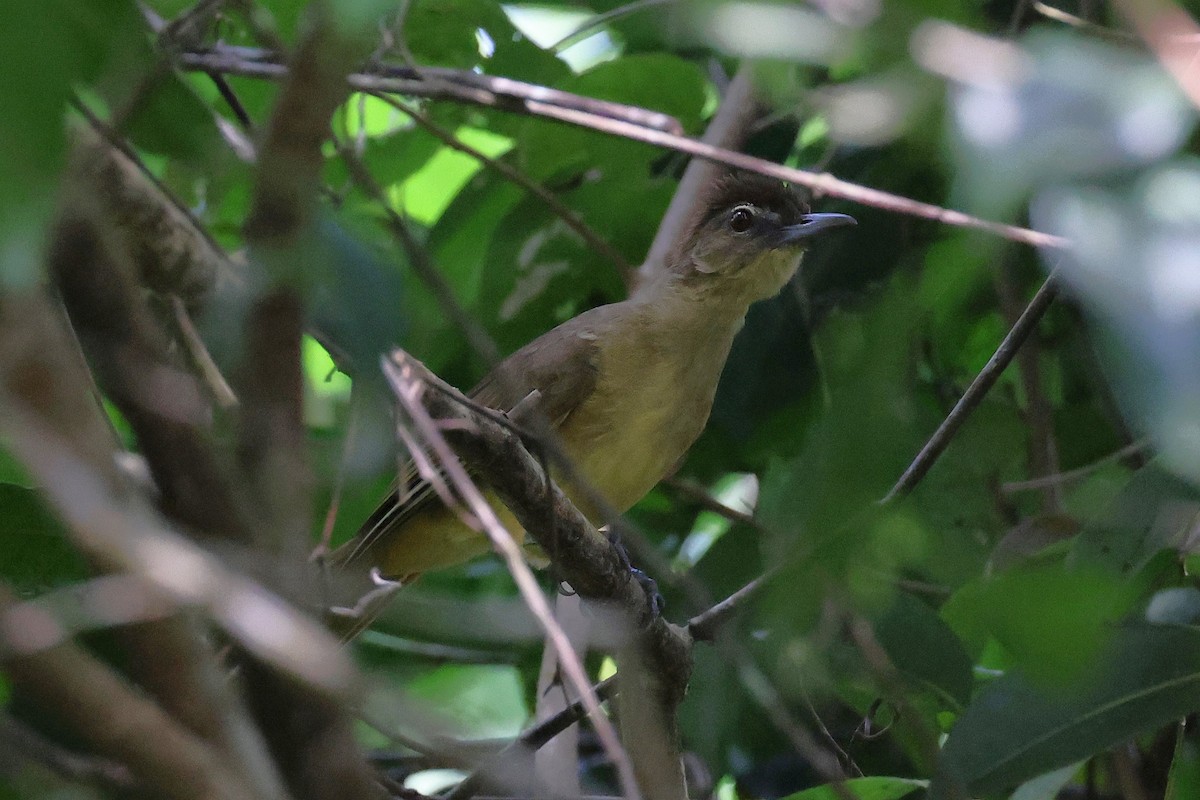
point(741, 220)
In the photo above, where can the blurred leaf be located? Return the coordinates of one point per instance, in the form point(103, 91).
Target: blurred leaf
point(1070, 107)
point(485, 701)
point(34, 551)
point(873, 788)
point(170, 120)
point(1147, 676)
point(1153, 511)
point(1053, 622)
point(822, 501)
point(48, 47)
point(1183, 781)
point(1133, 272)
point(924, 648)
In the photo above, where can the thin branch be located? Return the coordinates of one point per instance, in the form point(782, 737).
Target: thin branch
point(1042, 446)
point(433, 82)
point(1072, 475)
point(406, 385)
point(599, 20)
point(820, 183)
point(530, 739)
point(697, 494)
point(197, 351)
point(975, 393)
point(705, 625)
point(565, 213)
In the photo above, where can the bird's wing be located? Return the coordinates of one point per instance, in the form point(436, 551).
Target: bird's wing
point(561, 365)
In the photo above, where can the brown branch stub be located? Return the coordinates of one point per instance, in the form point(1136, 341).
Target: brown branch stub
point(290, 159)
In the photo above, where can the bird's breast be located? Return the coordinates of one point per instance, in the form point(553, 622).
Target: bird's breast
point(652, 400)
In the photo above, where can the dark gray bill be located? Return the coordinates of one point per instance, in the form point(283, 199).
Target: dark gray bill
point(810, 225)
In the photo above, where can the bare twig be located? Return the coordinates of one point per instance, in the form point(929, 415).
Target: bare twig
point(218, 387)
point(705, 625)
point(697, 494)
point(530, 739)
point(822, 183)
point(434, 82)
point(1042, 445)
point(975, 393)
point(1072, 475)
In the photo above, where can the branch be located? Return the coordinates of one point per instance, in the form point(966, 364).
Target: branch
point(228, 62)
point(531, 739)
point(310, 735)
point(728, 129)
point(173, 253)
point(433, 82)
point(408, 382)
point(74, 688)
point(975, 393)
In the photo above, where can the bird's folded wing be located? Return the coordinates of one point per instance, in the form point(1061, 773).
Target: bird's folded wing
point(561, 365)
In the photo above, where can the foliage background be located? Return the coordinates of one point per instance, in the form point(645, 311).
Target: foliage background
point(1044, 626)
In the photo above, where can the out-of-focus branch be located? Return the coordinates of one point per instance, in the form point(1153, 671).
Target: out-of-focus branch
point(19, 741)
point(173, 254)
point(54, 428)
point(727, 130)
point(310, 735)
point(72, 687)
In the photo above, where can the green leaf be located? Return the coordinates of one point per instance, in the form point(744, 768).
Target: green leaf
point(1051, 621)
point(1183, 782)
point(873, 788)
point(34, 551)
point(171, 120)
point(924, 648)
point(1013, 731)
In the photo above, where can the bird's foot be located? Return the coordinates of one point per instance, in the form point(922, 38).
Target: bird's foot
point(654, 599)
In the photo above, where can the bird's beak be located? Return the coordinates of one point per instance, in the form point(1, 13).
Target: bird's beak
point(810, 225)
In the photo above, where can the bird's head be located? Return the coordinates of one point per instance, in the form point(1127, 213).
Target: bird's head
point(750, 237)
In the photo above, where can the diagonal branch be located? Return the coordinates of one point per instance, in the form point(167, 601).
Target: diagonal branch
point(975, 393)
point(407, 380)
point(228, 62)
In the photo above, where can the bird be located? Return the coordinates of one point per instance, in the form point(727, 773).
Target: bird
point(628, 386)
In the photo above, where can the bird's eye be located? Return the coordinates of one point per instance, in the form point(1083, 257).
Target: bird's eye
point(742, 219)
